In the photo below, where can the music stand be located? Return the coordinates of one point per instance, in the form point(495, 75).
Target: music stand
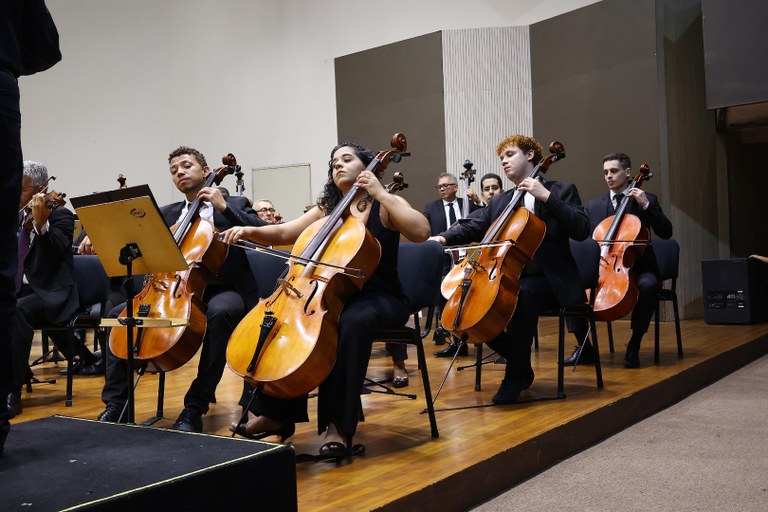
point(129, 234)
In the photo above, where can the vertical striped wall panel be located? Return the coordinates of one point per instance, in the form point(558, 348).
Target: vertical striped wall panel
point(487, 84)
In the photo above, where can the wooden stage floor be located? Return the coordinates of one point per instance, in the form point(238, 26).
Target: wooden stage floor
point(480, 451)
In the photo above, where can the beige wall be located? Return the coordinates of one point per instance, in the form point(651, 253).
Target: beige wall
point(253, 77)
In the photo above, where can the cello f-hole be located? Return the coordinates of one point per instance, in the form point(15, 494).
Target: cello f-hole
point(176, 292)
point(315, 287)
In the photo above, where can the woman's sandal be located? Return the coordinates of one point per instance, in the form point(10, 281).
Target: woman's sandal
point(400, 382)
point(337, 450)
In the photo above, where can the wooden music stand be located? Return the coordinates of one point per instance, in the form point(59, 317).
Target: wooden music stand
point(130, 236)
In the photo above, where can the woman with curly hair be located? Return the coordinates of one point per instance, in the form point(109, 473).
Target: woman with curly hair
point(379, 304)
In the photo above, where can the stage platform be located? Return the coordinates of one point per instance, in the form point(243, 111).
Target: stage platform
point(481, 451)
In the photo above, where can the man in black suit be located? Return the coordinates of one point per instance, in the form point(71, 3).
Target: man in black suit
point(617, 172)
point(231, 294)
point(548, 280)
point(442, 214)
point(29, 43)
point(490, 185)
point(45, 282)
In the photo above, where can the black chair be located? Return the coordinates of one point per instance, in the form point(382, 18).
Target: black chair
point(587, 256)
point(266, 269)
point(93, 290)
point(420, 268)
point(668, 259)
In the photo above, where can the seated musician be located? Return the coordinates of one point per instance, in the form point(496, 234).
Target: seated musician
point(380, 304)
point(490, 185)
point(441, 214)
point(228, 296)
point(45, 281)
point(548, 280)
point(618, 174)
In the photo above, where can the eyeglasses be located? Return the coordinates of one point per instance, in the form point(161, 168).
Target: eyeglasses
point(265, 210)
point(446, 185)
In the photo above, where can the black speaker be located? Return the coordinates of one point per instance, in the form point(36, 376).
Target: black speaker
point(735, 291)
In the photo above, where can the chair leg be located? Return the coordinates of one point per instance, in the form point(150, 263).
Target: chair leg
point(561, 358)
point(656, 340)
point(596, 352)
point(610, 337)
point(677, 326)
point(68, 398)
point(160, 394)
point(536, 339)
point(479, 367)
point(427, 388)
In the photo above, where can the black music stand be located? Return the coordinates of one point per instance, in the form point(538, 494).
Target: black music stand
point(129, 235)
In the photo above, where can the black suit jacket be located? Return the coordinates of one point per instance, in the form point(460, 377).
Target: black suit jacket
point(564, 217)
point(235, 272)
point(435, 214)
point(50, 269)
point(653, 217)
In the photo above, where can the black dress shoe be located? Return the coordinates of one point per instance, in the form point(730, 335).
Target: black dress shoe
point(440, 336)
point(112, 414)
point(188, 421)
point(14, 404)
point(509, 391)
point(95, 368)
point(451, 349)
point(587, 356)
point(77, 366)
point(632, 357)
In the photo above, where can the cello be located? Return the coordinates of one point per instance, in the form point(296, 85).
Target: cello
point(286, 346)
point(481, 291)
point(178, 294)
point(622, 239)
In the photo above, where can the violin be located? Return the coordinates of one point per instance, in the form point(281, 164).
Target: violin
point(178, 294)
point(286, 345)
point(622, 239)
point(481, 290)
point(41, 188)
point(52, 200)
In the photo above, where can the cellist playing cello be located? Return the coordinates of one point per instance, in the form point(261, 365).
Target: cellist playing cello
point(228, 296)
point(548, 280)
point(380, 303)
point(617, 173)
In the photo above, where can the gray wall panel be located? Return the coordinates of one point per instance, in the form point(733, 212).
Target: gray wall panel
point(397, 88)
point(487, 95)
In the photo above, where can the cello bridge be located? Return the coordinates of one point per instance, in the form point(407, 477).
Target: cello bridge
point(288, 287)
point(475, 265)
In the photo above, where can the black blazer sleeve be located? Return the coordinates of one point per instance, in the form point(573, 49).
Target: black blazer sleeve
point(654, 217)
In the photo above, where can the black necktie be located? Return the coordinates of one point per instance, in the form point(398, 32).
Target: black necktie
point(451, 214)
point(618, 197)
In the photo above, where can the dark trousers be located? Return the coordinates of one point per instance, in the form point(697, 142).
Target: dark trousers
point(648, 288)
point(225, 310)
point(339, 395)
point(515, 342)
point(10, 190)
point(29, 313)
